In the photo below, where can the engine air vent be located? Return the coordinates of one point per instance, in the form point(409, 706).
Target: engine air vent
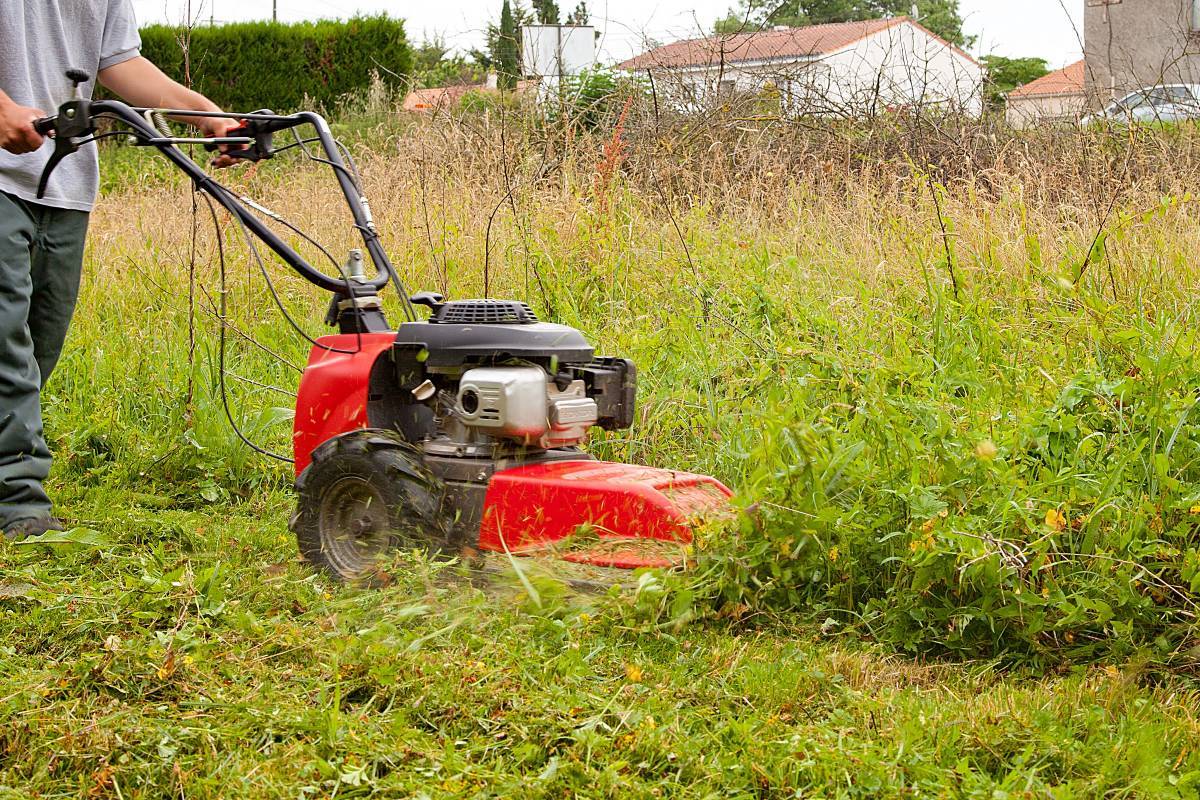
point(484, 312)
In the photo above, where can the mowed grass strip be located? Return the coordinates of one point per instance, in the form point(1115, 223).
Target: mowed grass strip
point(193, 655)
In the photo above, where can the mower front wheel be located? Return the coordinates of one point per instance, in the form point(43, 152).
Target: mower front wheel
point(364, 494)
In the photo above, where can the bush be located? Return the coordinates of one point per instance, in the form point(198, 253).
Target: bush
point(911, 503)
point(250, 65)
point(593, 98)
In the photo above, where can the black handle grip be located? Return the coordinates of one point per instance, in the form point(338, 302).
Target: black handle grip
point(45, 126)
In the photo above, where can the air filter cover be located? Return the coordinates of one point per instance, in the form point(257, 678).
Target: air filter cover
point(484, 312)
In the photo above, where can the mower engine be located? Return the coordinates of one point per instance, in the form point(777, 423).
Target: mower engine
point(464, 431)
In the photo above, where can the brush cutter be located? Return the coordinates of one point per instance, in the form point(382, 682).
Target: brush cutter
point(459, 430)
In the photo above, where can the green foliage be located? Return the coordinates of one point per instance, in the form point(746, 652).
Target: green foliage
point(918, 507)
point(592, 98)
point(502, 50)
point(918, 469)
point(943, 17)
point(508, 65)
point(249, 65)
point(580, 16)
point(434, 66)
point(546, 11)
point(1005, 74)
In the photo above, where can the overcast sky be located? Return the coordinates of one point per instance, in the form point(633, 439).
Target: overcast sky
point(1045, 28)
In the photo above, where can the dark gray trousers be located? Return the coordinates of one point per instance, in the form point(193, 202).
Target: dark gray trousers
point(41, 258)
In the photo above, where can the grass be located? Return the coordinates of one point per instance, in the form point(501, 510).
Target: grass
point(189, 655)
point(781, 311)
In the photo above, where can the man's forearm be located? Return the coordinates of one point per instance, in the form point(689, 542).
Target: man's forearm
point(140, 83)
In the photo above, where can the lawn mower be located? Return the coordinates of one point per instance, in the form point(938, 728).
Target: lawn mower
point(458, 431)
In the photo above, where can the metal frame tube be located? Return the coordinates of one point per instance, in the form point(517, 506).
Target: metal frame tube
point(384, 271)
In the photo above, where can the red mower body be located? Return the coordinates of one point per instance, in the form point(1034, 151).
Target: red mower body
point(575, 508)
point(642, 516)
point(333, 391)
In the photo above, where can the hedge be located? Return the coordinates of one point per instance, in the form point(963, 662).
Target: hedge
point(250, 65)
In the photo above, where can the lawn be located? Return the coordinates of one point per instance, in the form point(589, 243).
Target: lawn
point(955, 401)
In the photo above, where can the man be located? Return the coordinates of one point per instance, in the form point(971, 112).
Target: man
point(41, 241)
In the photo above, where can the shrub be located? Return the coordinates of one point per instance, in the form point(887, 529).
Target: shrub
point(249, 65)
point(912, 503)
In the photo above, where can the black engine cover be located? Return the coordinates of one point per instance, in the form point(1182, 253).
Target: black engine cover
point(453, 345)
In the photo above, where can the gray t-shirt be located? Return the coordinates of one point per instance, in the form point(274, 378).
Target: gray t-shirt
point(39, 41)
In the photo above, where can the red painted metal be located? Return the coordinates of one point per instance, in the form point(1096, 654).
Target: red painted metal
point(643, 516)
point(333, 391)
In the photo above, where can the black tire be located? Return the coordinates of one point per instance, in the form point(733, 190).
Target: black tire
point(364, 494)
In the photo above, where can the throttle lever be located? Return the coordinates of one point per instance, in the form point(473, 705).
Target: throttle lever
point(44, 125)
point(263, 146)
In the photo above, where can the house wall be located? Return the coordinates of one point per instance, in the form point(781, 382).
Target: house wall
point(1025, 112)
point(1134, 43)
point(902, 66)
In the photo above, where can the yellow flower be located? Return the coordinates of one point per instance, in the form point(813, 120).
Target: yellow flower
point(1194, 510)
point(986, 450)
point(585, 618)
point(833, 554)
point(634, 673)
point(927, 525)
point(1055, 519)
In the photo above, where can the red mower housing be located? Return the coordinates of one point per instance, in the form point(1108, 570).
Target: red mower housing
point(561, 503)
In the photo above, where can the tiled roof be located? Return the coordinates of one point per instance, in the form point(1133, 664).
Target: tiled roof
point(435, 99)
point(1068, 80)
point(807, 41)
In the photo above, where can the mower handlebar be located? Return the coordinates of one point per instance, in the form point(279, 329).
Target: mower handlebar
point(76, 119)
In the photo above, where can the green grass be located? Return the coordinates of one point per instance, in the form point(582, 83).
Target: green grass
point(190, 655)
point(797, 336)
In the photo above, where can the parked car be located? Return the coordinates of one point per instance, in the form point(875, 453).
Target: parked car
point(1165, 103)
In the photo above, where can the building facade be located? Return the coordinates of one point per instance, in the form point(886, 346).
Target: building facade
point(1057, 97)
point(1131, 44)
point(842, 69)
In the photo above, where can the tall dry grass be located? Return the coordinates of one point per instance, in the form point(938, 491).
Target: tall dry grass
point(937, 351)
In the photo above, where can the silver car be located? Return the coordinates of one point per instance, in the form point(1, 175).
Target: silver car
point(1165, 103)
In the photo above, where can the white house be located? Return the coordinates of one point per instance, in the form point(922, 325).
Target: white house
point(1056, 97)
point(843, 68)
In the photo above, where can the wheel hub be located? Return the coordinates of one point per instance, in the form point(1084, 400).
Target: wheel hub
point(355, 529)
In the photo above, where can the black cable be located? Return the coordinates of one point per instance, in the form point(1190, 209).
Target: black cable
point(271, 286)
point(221, 345)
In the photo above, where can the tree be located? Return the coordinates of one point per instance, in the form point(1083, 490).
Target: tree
point(546, 11)
point(580, 15)
point(943, 17)
point(504, 50)
point(1006, 74)
point(433, 65)
point(507, 54)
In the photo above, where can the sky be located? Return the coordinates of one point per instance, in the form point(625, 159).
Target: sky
point(1048, 29)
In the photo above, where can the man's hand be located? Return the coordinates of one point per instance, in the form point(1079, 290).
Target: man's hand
point(216, 127)
point(17, 135)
